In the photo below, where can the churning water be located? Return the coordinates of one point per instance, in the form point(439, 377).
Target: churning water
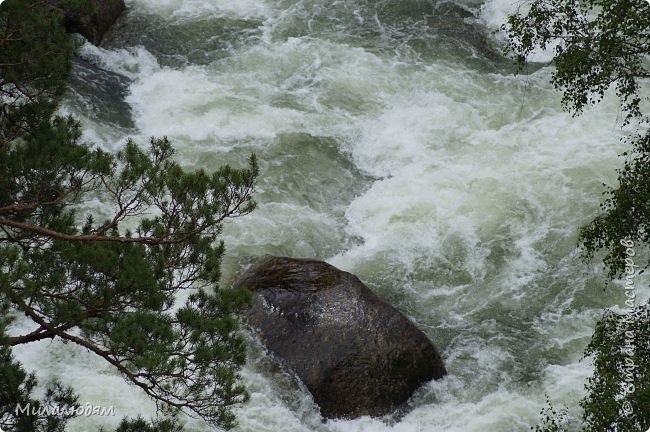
point(395, 143)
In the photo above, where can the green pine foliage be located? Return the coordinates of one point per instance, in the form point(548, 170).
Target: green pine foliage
point(141, 425)
point(109, 284)
point(35, 63)
point(16, 387)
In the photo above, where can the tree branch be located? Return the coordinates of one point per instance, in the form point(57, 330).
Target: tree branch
point(88, 238)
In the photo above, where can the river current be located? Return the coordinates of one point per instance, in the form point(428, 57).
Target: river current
point(395, 144)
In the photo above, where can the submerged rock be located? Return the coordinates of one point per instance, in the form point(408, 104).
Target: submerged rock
point(93, 26)
point(355, 353)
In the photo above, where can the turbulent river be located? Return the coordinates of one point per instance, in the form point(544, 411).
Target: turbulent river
point(395, 144)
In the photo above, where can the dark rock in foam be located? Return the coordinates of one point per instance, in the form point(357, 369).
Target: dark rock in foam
point(355, 353)
point(93, 26)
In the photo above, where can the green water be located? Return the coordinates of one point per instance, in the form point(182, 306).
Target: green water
point(395, 144)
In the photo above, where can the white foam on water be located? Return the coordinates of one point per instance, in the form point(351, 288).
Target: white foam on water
point(268, 410)
point(93, 379)
point(447, 173)
point(201, 9)
point(473, 186)
point(133, 62)
point(452, 414)
point(235, 100)
point(494, 13)
point(195, 106)
point(425, 146)
point(284, 229)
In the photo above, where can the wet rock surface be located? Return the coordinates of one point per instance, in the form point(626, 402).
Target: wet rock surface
point(93, 25)
point(355, 353)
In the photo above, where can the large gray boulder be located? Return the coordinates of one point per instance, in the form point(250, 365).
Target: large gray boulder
point(94, 21)
point(355, 353)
